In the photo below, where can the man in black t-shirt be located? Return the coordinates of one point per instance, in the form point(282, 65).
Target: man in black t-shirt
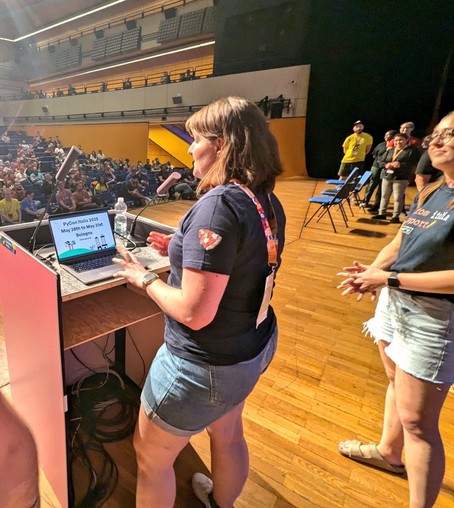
point(425, 172)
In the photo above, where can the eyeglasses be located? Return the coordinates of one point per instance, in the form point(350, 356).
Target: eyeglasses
point(443, 137)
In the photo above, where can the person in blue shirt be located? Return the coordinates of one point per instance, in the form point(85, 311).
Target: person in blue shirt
point(29, 209)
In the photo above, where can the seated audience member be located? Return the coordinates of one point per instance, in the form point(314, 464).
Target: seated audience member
point(134, 191)
point(109, 173)
point(48, 185)
point(18, 192)
point(127, 84)
point(93, 157)
point(100, 156)
point(425, 172)
point(59, 93)
point(188, 177)
point(147, 165)
point(65, 198)
point(182, 188)
point(79, 177)
point(71, 90)
point(36, 177)
point(156, 166)
point(101, 185)
point(397, 165)
point(29, 209)
point(18, 461)
point(10, 212)
point(59, 153)
point(83, 198)
point(5, 137)
point(103, 87)
point(132, 172)
point(165, 78)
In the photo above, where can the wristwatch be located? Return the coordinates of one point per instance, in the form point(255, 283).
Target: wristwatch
point(393, 281)
point(148, 278)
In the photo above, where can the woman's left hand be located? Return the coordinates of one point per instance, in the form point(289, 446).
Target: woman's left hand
point(132, 270)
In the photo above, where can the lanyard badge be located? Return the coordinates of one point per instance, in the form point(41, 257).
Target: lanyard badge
point(271, 247)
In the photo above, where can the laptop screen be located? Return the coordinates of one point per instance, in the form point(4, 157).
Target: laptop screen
point(80, 234)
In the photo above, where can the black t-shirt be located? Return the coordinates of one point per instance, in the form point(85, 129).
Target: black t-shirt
point(425, 167)
point(223, 233)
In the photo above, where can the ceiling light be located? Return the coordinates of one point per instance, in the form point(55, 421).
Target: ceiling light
point(60, 23)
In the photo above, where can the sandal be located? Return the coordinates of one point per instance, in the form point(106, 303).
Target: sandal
point(368, 455)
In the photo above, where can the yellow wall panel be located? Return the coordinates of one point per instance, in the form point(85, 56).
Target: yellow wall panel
point(290, 134)
point(155, 150)
point(123, 140)
point(171, 144)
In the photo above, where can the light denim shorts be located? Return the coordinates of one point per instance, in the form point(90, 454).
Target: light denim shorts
point(420, 333)
point(183, 397)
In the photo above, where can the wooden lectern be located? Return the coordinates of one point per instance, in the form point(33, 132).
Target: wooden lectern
point(46, 312)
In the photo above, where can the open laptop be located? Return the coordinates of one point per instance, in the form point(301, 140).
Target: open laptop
point(85, 244)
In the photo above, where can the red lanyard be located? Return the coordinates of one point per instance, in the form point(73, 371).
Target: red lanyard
point(270, 232)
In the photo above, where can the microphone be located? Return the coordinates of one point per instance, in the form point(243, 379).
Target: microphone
point(67, 164)
point(171, 180)
point(73, 153)
point(167, 183)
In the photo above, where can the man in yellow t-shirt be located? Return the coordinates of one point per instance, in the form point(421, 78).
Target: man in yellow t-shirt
point(356, 147)
point(9, 208)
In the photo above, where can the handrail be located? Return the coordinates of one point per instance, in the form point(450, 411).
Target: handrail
point(137, 81)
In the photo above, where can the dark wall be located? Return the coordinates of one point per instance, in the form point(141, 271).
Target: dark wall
point(259, 34)
point(375, 60)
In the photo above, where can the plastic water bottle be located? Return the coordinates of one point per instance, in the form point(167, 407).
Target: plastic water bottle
point(120, 220)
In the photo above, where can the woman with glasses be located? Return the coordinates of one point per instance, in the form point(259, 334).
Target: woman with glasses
point(414, 329)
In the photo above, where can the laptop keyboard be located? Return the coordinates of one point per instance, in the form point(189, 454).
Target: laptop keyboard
point(92, 264)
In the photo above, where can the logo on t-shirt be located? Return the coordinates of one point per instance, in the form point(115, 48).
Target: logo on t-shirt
point(208, 239)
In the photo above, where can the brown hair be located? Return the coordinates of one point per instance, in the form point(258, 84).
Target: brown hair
point(434, 186)
point(249, 152)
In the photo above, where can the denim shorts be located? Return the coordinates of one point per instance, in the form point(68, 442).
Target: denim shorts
point(420, 334)
point(182, 397)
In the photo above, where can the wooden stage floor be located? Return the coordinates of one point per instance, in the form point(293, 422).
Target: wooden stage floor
point(325, 384)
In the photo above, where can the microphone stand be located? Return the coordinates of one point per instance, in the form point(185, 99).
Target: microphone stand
point(73, 153)
point(134, 224)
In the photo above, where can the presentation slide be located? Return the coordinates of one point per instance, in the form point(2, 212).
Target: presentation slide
point(81, 235)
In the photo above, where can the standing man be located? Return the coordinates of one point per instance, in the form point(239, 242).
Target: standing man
point(407, 128)
point(356, 147)
point(374, 182)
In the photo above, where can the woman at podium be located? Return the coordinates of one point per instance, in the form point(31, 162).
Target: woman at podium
point(220, 332)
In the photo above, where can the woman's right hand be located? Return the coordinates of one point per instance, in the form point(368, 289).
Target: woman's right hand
point(160, 242)
point(350, 285)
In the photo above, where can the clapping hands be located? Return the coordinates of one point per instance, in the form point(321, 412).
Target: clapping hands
point(361, 279)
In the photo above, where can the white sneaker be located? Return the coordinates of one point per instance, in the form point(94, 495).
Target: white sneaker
point(202, 487)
